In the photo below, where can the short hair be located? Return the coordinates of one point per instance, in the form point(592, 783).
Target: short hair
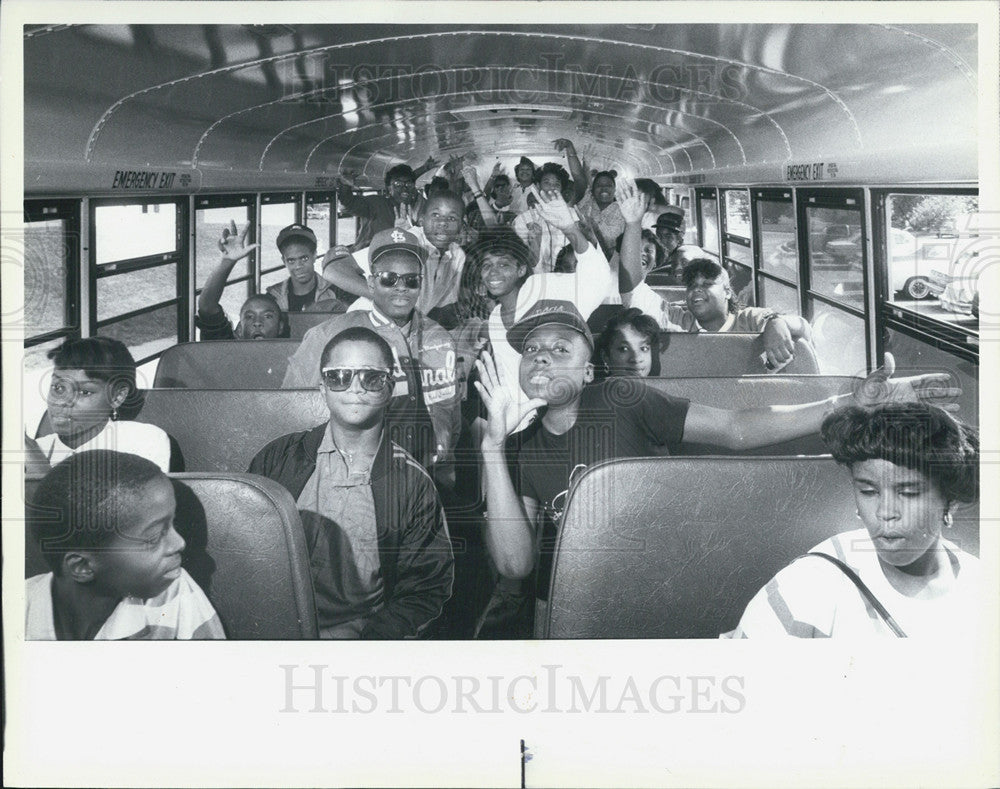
point(642, 323)
point(445, 194)
point(436, 185)
point(503, 178)
point(101, 358)
point(83, 501)
point(500, 240)
point(554, 169)
point(358, 334)
point(284, 328)
point(561, 264)
point(648, 236)
point(917, 436)
point(702, 267)
point(399, 171)
point(612, 174)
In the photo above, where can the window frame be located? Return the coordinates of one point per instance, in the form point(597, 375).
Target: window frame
point(68, 210)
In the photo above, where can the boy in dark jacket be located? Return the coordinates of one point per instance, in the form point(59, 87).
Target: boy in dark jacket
point(379, 549)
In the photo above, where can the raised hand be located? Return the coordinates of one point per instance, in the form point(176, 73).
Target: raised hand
point(881, 387)
point(631, 201)
point(562, 144)
point(503, 406)
point(233, 245)
point(471, 176)
point(497, 169)
point(431, 163)
point(554, 210)
point(406, 215)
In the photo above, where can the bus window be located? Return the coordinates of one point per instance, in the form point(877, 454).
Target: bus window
point(318, 213)
point(778, 296)
point(274, 215)
point(139, 287)
point(737, 240)
point(51, 273)
point(708, 227)
point(839, 338)
point(210, 217)
point(836, 254)
point(779, 249)
point(151, 230)
point(347, 226)
point(930, 254)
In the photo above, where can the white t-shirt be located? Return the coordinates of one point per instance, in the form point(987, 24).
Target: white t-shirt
point(653, 305)
point(136, 438)
point(813, 598)
point(587, 288)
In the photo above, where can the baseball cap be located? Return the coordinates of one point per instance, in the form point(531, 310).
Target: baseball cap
point(544, 312)
point(296, 232)
point(671, 218)
point(395, 239)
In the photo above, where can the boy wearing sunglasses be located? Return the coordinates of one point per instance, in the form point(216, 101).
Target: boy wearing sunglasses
point(379, 548)
point(424, 412)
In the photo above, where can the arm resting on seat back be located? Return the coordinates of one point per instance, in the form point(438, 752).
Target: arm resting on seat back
point(341, 269)
point(425, 566)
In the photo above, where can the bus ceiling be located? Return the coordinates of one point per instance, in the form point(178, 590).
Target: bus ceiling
point(139, 109)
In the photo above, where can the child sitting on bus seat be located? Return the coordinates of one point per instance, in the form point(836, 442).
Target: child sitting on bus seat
point(576, 419)
point(105, 524)
point(261, 318)
point(304, 290)
point(711, 306)
point(93, 383)
point(628, 347)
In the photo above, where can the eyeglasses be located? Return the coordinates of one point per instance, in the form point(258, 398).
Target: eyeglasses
point(338, 379)
point(388, 279)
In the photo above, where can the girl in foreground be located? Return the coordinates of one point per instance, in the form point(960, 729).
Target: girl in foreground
point(910, 465)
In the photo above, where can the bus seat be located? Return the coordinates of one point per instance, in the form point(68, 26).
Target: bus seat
point(225, 364)
point(725, 355)
point(757, 392)
point(301, 322)
point(222, 430)
point(245, 548)
point(677, 547)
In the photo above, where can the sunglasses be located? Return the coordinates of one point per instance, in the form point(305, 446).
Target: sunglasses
point(338, 379)
point(388, 279)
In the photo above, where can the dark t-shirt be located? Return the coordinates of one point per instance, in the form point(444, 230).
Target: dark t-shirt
point(618, 418)
point(298, 303)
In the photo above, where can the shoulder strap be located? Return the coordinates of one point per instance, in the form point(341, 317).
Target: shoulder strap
point(865, 591)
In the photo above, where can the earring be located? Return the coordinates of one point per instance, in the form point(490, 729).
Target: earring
point(948, 521)
point(114, 414)
point(857, 514)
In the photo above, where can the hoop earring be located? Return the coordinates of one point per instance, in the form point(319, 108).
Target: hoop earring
point(948, 520)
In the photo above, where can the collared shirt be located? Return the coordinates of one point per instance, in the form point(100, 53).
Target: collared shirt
point(423, 364)
point(338, 516)
point(136, 438)
point(608, 220)
point(442, 274)
point(750, 320)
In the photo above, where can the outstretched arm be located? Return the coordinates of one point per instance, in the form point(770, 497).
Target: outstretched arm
point(555, 212)
point(757, 427)
point(341, 269)
point(426, 167)
point(234, 248)
point(575, 166)
point(510, 530)
point(485, 209)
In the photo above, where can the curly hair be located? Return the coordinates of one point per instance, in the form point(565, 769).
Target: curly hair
point(557, 170)
point(709, 269)
point(636, 319)
point(917, 436)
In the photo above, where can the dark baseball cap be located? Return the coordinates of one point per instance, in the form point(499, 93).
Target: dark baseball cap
point(296, 232)
point(543, 313)
point(395, 239)
point(672, 218)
